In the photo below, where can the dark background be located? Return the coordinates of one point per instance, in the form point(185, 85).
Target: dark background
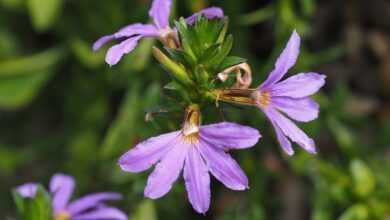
point(63, 109)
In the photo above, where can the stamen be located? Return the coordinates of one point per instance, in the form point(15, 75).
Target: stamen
point(191, 124)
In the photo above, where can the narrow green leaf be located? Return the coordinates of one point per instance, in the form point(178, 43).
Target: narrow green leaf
point(230, 61)
point(30, 64)
point(16, 92)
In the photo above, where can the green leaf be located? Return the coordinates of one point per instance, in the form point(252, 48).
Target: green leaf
point(364, 179)
point(176, 70)
point(31, 64)
point(231, 61)
point(186, 37)
point(145, 211)
point(222, 53)
point(16, 92)
point(44, 13)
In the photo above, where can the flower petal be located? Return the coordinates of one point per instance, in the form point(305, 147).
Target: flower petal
point(146, 30)
point(61, 186)
point(102, 213)
point(101, 41)
point(116, 52)
point(210, 13)
point(291, 130)
point(283, 140)
point(147, 153)
point(27, 190)
point(223, 167)
point(197, 179)
point(230, 135)
point(160, 13)
point(300, 85)
point(285, 61)
point(302, 109)
point(91, 201)
point(167, 171)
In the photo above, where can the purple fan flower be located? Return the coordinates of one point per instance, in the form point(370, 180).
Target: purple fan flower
point(290, 96)
point(160, 29)
point(86, 208)
point(199, 153)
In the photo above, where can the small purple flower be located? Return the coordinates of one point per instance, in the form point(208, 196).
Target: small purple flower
point(27, 190)
point(199, 151)
point(290, 96)
point(86, 208)
point(160, 29)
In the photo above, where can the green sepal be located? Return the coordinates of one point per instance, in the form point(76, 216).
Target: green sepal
point(37, 208)
point(176, 70)
point(181, 57)
point(230, 61)
point(222, 53)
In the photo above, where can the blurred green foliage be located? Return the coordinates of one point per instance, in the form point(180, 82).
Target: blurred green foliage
point(63, 109)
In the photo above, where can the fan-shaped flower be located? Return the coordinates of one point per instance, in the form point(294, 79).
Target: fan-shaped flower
point(197, 150)
point(85, 208)
point(160, 29)
point(290, 96)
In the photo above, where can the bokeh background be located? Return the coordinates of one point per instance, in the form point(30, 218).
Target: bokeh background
point(62, 109)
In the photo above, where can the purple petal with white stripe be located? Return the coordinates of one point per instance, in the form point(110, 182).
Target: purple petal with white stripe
point(62, 187)
point(300, 85)
point(285, 61)
point(197, 181)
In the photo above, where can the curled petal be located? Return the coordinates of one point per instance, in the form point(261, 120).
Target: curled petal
point(224, 167)
point(230, 135)
point(27, 190)
point(91, 201)
point(285, 61)
point(102, 213)
point(197, 180)
point(62, 187)
point(160, 13)
point(167, 171)
point(291, 130)
point(102, 41)
point(147, 153)
point(146, 30)
point(302, 109)
point(300, 85)
point(210, 13)
point(116, 52)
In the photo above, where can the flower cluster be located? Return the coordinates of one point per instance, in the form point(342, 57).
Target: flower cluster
point(88, 207)
point(196, 54)
point(197, 57)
